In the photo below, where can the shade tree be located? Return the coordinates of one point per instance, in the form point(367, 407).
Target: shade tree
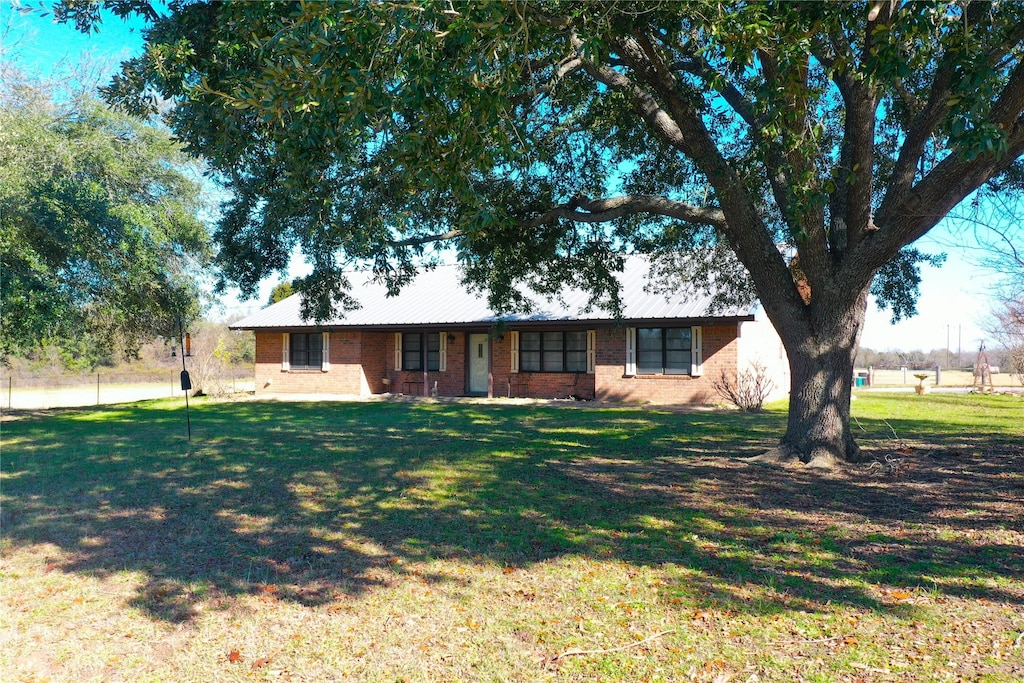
point(788, 151)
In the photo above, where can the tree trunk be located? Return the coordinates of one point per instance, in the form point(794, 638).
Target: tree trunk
point(821, 380)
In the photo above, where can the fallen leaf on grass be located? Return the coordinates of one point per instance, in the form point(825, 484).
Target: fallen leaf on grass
point(262, 662)
point(234, 656)
point(900, 595)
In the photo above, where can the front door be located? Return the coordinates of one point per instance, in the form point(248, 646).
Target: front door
point(479, 363)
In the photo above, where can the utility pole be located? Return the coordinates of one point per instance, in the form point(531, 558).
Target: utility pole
point(947, 346)
point(959, 344)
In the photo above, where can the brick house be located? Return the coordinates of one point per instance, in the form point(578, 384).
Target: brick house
point(438, 338)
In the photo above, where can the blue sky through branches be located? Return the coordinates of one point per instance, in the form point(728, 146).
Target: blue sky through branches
point(954, 298)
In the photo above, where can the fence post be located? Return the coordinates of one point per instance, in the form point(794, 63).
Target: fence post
point(97, 388)
point(9, 390)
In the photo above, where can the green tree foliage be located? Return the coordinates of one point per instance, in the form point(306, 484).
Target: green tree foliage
point(99, 238)
point(541, 140)
point(280, 292)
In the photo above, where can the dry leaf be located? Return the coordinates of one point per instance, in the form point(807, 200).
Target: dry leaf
point(260, 663)
point(901, 595)
point(234, 656)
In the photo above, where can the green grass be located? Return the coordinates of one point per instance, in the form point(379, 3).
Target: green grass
point(477, 541)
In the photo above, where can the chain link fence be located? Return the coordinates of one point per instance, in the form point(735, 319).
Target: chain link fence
point(37, 392)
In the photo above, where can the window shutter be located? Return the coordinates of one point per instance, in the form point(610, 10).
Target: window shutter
point(442, 352)
point(513, 340)
point(591, 351)
point(325, 363)
point(630, 351)
point(285, 364)
point(697, 354)
point(398, 350)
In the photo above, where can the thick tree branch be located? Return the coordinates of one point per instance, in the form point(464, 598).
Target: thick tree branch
point(935, 108)
point(680, 124)
point(946, 185)
point(425, 239)
point(657, 119)
point(1010, 104)
point(585, 210)
point(851, 202)
point(696, 65)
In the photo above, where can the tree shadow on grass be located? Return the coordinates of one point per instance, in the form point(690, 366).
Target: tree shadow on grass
point(311, 502)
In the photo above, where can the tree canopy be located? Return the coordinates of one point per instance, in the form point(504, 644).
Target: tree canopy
point(99, 234)
point(281, 291)
point(792, 150)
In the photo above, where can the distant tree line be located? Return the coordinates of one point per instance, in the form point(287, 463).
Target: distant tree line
point(928, 360)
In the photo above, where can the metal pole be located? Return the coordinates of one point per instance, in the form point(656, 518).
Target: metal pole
point(188, 416)
point(97, 388)
point(9, 390)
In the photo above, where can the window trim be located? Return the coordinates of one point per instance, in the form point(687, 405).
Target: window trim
point(422, 354)
point(586, 350)
point(291, 351)
point(687, 368)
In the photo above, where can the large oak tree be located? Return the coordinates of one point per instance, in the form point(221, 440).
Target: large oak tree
point(809, 142)
point(100, 239)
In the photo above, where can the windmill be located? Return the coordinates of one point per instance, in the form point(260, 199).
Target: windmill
point(983, 370)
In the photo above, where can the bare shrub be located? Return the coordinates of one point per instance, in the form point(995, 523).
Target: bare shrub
point(748, 390)
point(216, 352)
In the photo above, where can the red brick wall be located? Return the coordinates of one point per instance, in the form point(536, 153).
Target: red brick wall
point(534, 384)
point(450, 382)
point(719, 349)
point(375, 359)
point(345, 376)
point(361, 360)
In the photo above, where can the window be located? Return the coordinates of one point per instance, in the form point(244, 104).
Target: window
point(418, 348)
point(663, 350)
point(553, 351)
point(307, 350)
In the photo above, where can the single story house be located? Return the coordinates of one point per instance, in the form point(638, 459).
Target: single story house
point(438, 338)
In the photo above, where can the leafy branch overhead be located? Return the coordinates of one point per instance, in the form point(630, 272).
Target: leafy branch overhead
point(540, 140)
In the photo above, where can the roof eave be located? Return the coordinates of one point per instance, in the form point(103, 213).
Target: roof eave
point(478, 324)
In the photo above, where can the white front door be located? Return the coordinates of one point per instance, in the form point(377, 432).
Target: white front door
point(479, 363)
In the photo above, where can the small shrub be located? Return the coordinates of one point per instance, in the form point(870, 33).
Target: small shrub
point(748, 390)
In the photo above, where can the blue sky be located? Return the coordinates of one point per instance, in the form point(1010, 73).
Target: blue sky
point(953, 298)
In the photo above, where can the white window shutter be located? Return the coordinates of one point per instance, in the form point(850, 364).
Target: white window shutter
point(325, 363)
point(285, 364)
point(513, 341)
point(442, 352)
point(591, 351)
point(630, 351)
point(697, 354)
point(398, 350)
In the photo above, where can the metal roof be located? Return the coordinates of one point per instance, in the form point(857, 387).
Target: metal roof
point(438, 297)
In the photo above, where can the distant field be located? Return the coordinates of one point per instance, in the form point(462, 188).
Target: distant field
point(950, 378)
point(483, 541)
point(74, 395)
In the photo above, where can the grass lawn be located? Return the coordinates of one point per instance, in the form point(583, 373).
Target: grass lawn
point(466, 541)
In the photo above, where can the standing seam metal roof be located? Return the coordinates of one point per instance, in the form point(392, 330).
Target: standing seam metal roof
point(438, 297)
